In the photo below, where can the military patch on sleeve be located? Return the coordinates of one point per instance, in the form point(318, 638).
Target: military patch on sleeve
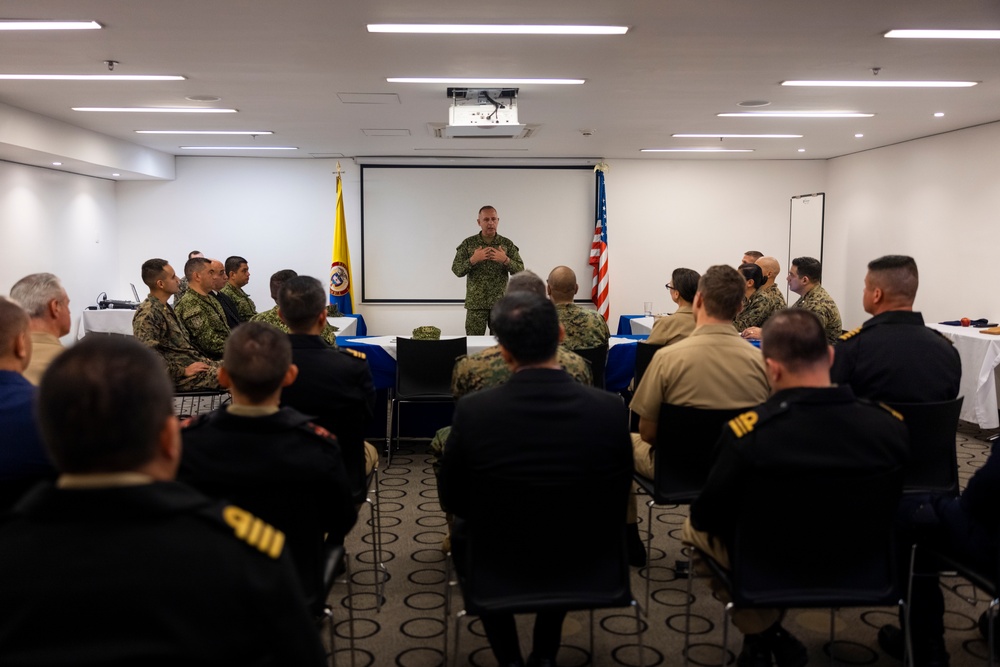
point(850, 334)
point(354, 353)
point(262, 536)
point(744, 423)
point(892, 412)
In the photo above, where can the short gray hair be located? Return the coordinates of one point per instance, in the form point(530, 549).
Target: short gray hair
point(34, 292)
point(526, 281)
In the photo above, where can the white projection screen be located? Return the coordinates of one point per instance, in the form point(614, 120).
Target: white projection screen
point(413, 218)
point(805, 229)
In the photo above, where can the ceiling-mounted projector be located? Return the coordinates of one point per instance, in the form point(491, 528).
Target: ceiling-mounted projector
point(483, 113)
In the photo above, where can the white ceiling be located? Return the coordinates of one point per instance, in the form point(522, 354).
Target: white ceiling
point(283, 64)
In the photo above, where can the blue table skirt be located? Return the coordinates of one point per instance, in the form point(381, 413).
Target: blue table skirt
point(621, 362)
point(625, 324)
point(362, 328)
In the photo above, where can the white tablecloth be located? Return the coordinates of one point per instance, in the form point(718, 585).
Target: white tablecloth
point(642, 325)
point(473, 343)
point(980, 355)
point(105, 321)
point(346, 326)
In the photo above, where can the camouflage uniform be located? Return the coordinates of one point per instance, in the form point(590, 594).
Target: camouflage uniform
point(155, 324)
point(487, 369)
point(183, 287)
point(245, 307)
point(585, 328)
point(819, 301)
point(205, 322)
point(271, 317)
point(486, 281)
point(760, 306)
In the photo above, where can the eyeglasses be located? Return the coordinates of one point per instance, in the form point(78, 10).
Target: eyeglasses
point(669, 286)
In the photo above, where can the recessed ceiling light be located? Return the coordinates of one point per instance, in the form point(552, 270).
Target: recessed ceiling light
point(154, 110)
point(247, 132)
point(203, 98)
point(90, 77)
point(239, 148)
point(882, 83)
point(116, 174)
point(802, 150)
point(737, 136)
point(938, 114)
point(696, 150)
point(482, 29)
point(57, 164)
point(795, 114)
point(485, 81)
point(858, 135)
point(943, 34)
point(49, 25)
point(753, 103)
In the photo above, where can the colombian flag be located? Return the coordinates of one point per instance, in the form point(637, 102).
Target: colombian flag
point(341, 280)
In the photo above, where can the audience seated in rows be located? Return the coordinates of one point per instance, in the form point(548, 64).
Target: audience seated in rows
point(117, 564)
point(200, 314)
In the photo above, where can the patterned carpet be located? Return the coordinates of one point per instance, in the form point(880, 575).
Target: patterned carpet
point(408, 631)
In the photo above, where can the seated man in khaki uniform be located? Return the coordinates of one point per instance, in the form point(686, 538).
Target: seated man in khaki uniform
point(42, 296)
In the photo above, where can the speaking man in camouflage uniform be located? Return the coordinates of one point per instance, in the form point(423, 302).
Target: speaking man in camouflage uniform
point(238, 274)
point(278, 279)
point(585, 328)
point(201, 315)
point(155, 324)
point(485, 260)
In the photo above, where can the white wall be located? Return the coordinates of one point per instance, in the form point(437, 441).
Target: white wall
point(667, 214)
point(936, 199)
point(63, 224)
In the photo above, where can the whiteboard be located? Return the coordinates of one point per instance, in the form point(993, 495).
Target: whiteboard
point(805, 229)
point(413, 218)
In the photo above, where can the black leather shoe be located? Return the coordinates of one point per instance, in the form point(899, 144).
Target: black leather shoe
point(756, 651)
point(926, 653)
point(636, 548)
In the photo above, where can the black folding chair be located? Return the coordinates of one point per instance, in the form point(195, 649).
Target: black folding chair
point(643, 355)
point(523, 552)
point(933, 465)
point(335, 564)
point(423, 375)
point(597, 357)
point(813, 539)
point(190, 403)
point(685, 452)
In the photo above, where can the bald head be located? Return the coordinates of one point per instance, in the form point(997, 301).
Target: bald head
point(771, 269)
point(562, 285)
point(15, 343)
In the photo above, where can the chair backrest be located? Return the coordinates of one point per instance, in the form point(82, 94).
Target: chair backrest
point(817, 539)
point(643, 355)
point(933, 465)
point(597, 357)
point(423, 367)
point(559, 545)
point(685, 450)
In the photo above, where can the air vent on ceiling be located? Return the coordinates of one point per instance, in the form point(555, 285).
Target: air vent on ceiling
point(445, 131)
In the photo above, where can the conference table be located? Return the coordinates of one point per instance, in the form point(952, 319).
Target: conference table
point(381, 354)
point(980, 355)
point(119, 321)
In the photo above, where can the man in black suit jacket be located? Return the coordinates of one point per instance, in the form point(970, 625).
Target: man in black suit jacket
point(539, 426)
point(334, 385)
point(228, 305)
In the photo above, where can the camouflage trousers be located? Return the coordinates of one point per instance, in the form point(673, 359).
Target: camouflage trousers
point(476, 322)
point(207, 381)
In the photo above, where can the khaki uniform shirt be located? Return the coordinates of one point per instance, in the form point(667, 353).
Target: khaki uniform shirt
point(488, 369)
point(271, 317)
point(155, 324)
point(245, 307)
point(44, 348)
point(672, 328)
point(205, 322)
point(585, 328)
point(486, 281)
point(713, 368)
point(819, 301)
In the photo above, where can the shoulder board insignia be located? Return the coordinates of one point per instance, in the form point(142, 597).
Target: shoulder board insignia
point(744, 423)
point(850, 334)
point(262, 536)
point(318, 431)
point(352, 352)
point(892, 412)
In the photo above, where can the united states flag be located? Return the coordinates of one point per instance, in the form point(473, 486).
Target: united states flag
point(599, 252)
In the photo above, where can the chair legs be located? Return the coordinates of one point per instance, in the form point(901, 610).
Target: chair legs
point(331, 625)
point(389, 407)
point(380, 574)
